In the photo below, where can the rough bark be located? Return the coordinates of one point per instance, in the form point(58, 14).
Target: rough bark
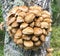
point(10, 48)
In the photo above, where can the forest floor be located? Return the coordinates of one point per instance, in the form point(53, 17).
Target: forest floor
point(55, 42)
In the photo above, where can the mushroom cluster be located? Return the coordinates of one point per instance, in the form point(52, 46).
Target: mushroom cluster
point(28, 26)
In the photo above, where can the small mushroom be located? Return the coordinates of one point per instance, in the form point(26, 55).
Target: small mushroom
point(19, 19)
point(25, 37)
point(22, 14)
point(40, 19)
point(11, 20)
point(37, 31)
point(23, 25)
point(44, 25)
point(44, 31)
point(35, 7)
point(28, 44)
point(17, 37)
point(29, 18)
point(32, 24)
point(46, 12)
point(49, 50)
point(37, 23)
point(15, 24)
point(34, 11)
point(45, 16)
point(48, 20)
point(38, 43)
point(18, 33)
point(23, 8)
point(34, 38)
point(42, 38)
point(28, 31)
point(13, 30)
point(19, 41)
point(15, 40)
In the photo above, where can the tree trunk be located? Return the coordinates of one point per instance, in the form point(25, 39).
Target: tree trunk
point(10, 48)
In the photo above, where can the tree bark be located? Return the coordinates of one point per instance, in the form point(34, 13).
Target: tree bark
point(10, 48)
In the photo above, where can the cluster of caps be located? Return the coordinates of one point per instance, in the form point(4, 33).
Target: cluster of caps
point(28, 26)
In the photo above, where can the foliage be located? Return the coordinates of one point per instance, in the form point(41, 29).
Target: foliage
point(55, 40)
point(56, 13)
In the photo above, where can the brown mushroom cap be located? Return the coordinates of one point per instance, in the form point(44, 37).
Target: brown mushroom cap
point(28, 30)
point(24, 8)
point(13, 30)
point(48, 20)
point(18, 33)
point(42, 38)
point(20, 19)
point(19, 41)
point(14, 24)
point(38, 43)
point(35, 7)
point(29, 18)
point(23, 25)
point(44, 32)
point(44, 25)
point(28, 44)
point(37, 23)
point(37, 31)
point(49, 50)
point(34, 38)
point(11, 20)
point(25, 37)
point(22, 14)
point(32, 24)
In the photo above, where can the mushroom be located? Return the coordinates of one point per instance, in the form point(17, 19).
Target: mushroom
point(14, 24)
point(22, 14)
point(34, 38)
point(37, 23)
point(32, 24)
point(46, 12)
point(49, 50)
point(44, 31)
point(19, 41)
point(19, 19)
point(11, 20)
point(23, 8)
point(42, 38)
point(36, 12)
point(28, 31)
point(17, 37)
point(18, 33)
point(29, 18)
point(23, 25)
point(44, 25)
point(35, 7)
point(40, 19)
point(25, 37)
point(15, 40)
point(38, 43)
point(48, 20)
point(45, 16)
point(13, 30)
point(28, 44)
point(37, 31)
